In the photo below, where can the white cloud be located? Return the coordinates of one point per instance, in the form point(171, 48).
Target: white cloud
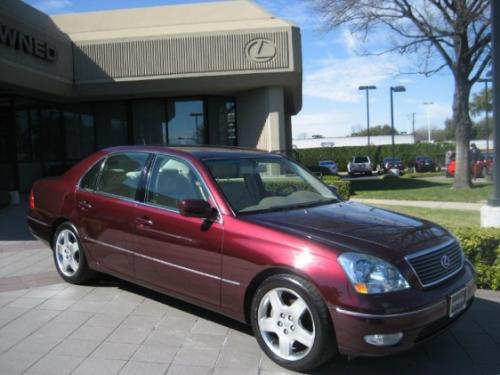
point(328, 124)
point(338, 79)
point(300, 13)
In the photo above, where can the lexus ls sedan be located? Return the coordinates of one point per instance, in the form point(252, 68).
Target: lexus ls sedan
point(254, 236)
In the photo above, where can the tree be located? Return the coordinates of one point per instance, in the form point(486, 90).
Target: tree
point(375, 130)
point(479, 104)
point(453, 34)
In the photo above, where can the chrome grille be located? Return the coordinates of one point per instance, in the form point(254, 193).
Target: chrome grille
point(428, 264)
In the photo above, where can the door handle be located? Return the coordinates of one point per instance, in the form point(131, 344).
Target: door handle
point(144, 221)
point(85, 205)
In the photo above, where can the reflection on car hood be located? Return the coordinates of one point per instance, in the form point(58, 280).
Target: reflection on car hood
point(355, 226)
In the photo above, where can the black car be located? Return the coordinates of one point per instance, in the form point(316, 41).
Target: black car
point(424, 164)
point(391, 163)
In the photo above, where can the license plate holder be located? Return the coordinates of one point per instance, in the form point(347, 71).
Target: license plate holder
point(457, 302)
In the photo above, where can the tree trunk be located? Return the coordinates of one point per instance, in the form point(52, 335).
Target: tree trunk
point(462, 132)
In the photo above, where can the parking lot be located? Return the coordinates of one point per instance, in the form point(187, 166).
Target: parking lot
point(111, 327)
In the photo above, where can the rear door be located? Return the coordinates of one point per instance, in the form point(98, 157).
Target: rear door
point(174, 252)
point(106, 211)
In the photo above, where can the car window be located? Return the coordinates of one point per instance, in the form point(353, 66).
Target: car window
point(267, 183)
point(173, 180)
point(121, 174)
point(361, 159)
point(90, 179)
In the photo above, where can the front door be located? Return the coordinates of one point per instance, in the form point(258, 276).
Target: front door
point(177, 253)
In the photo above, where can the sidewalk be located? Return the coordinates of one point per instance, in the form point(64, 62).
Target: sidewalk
point(423, 204)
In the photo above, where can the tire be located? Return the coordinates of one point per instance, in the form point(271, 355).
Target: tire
point(369, 173)
point(274, 323)
point(69, 256)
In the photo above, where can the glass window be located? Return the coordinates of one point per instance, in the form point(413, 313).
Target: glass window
point(52, 135)
point(150, 122)
point(79, 128)
point(173, 180)
point(23, 136)
point(121, 174)
point(111, 122)
point(266, 184)
point(90, 179)
point(222, 121)
point(186, 124)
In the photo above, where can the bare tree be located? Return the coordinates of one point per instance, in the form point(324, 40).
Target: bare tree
point(454, 34)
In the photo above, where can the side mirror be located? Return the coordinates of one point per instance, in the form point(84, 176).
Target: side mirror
point(195, 208)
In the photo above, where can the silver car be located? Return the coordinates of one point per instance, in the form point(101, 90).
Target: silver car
point(360, 165)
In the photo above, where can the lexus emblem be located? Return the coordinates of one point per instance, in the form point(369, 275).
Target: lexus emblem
point(260, 50)
point(445, 261)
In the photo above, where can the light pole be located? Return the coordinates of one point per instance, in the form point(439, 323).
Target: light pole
point(367, 89)
point(196, 116)
point(427, 104)
point(486, 80)
point(394, 89)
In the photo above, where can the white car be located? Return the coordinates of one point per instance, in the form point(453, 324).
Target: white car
point(360, 165)
point(330, 164)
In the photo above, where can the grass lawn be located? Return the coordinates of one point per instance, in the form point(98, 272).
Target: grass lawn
point(420, 189)
point(447, 218)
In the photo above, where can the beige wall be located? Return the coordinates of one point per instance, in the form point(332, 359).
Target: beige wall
point(261, 119)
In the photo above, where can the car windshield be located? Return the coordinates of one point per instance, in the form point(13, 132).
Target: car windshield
point(361, 159)
point(267, 184)
point(423, 158)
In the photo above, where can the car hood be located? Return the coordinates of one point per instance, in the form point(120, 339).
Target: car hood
point(350, 226)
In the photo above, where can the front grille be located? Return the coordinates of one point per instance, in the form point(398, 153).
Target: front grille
point(428, 264)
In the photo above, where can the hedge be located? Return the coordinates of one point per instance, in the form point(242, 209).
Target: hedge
point(482, 248)
point(343, 187)
point(342, 155)
point(4, 198)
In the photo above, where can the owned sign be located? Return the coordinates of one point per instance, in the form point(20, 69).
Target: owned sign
point(27, 43)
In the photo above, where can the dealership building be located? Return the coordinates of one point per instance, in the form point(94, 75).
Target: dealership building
point(221, 73)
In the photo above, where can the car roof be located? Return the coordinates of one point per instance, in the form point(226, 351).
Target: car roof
point(200, 152)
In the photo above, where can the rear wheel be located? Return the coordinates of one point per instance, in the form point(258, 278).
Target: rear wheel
point(69, 256)
point(291, 323)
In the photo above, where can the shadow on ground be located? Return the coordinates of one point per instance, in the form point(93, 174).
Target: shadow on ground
point(471, 346)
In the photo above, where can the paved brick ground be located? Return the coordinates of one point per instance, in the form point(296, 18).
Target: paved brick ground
point(113, 327)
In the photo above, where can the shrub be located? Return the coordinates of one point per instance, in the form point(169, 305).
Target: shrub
point(4, 198)
point(343, 187)
point(482, 248)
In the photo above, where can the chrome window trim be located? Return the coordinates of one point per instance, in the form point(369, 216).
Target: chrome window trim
point(431, 250)
point(38, 221)
point(118, 248)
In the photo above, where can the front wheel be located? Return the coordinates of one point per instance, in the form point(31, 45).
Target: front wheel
point(69, 256)
point(291, 323)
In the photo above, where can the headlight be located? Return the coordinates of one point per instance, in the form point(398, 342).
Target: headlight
point(370, 275)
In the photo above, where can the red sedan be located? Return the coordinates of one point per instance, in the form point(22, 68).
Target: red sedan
point(256, 237)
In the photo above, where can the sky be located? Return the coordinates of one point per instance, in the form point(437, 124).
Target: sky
point(333, 69)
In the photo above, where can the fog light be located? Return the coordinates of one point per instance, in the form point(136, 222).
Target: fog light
point(384, 339)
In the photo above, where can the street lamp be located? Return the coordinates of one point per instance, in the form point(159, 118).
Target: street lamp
point(196, 116)
point(427, 104)
point(394, 89)
point(367, 89)
point(486, 80)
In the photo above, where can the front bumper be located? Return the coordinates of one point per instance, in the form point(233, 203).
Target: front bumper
point(417, 325)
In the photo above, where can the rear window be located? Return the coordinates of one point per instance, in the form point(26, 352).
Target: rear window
point(90, 179)
point(361, 159)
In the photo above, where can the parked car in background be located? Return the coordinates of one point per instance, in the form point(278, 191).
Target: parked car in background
point(254, 236)
point(320, 171)
point(360, 165)
point(479, 169)
point(424, 164)
point(391, 163)
point(330, 164)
